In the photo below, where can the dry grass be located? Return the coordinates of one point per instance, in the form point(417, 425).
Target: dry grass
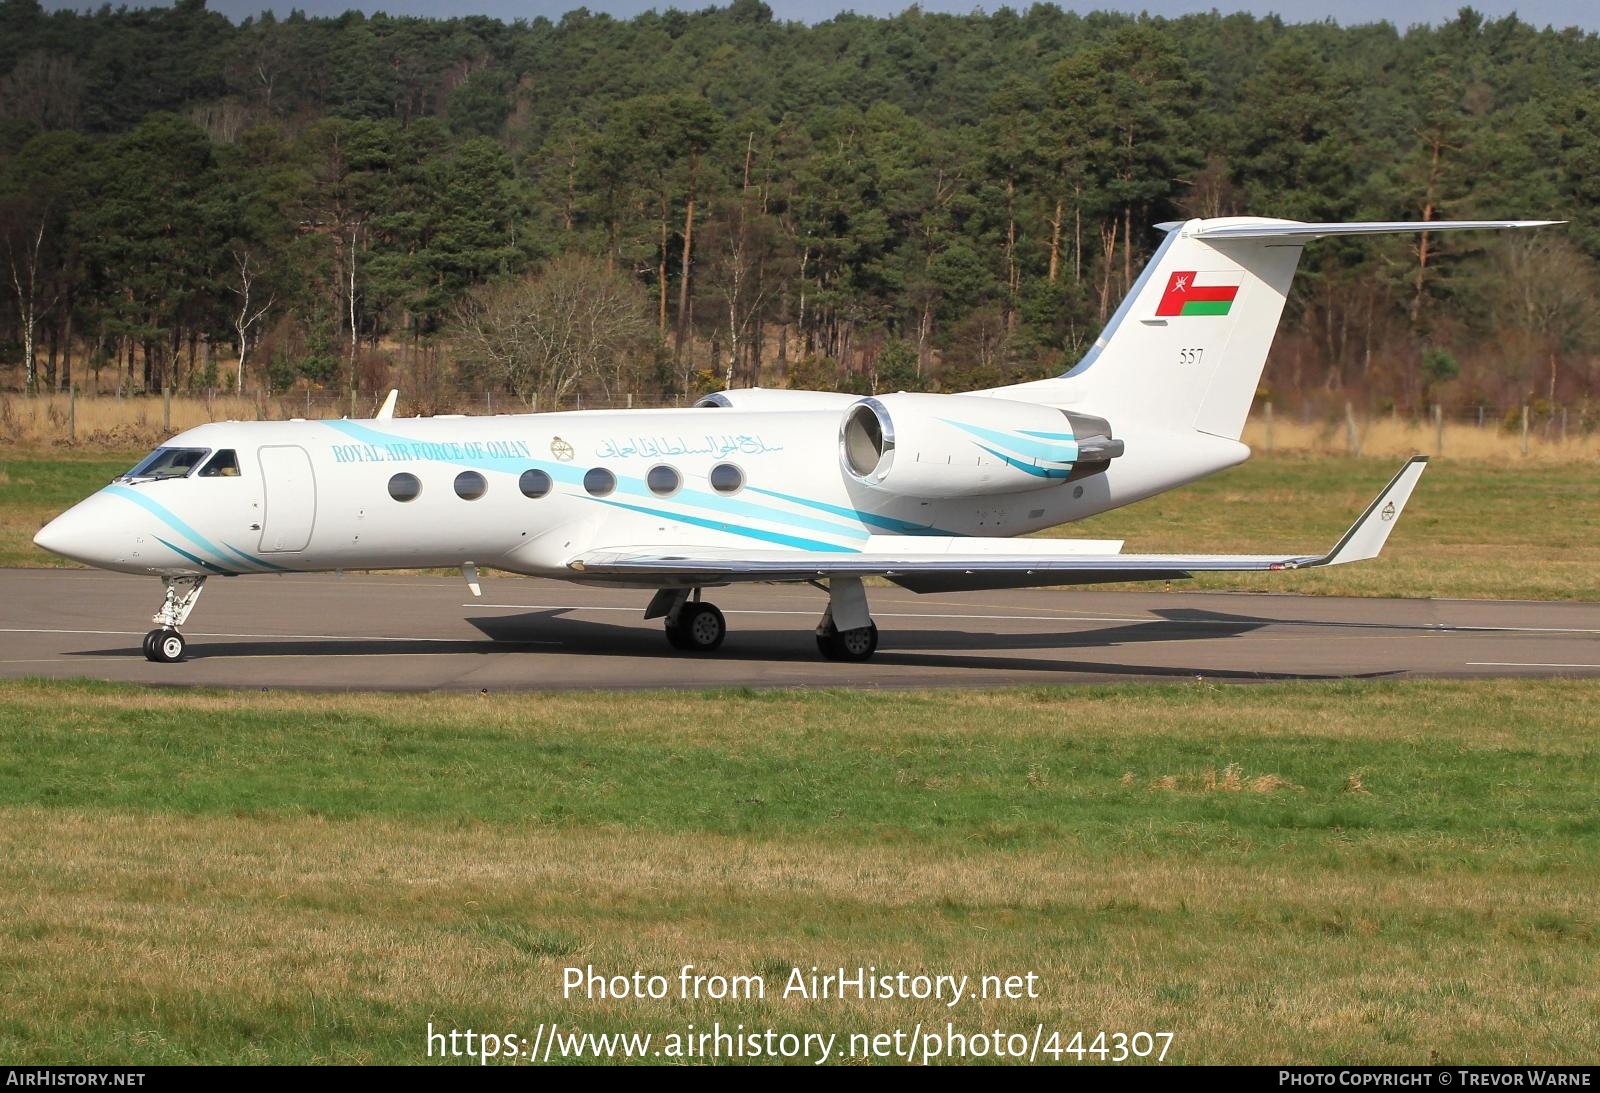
point(1395, 438)
point(1230, 780)
point(108, 422)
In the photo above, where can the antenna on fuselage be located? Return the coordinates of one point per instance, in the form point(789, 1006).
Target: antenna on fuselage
point(386, 411)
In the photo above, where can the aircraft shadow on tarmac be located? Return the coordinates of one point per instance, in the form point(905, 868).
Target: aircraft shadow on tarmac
point(920, 647)
point(557, 631)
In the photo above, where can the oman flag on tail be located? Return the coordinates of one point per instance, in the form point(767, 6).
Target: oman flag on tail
point(1200, 293)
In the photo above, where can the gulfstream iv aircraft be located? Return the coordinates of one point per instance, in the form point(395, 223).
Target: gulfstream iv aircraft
point(926, 490)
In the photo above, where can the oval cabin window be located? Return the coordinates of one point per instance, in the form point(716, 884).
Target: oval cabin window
point(534, 483)
point(726, 478)
point(405, 487)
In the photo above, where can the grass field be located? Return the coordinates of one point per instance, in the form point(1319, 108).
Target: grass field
point(1317, 873)
point(37, 486)
point(1473, 529)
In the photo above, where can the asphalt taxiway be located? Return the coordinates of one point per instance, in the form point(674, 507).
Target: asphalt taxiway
point(402, 632)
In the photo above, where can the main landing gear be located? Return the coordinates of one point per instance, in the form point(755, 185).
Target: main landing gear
point(857, 644)
point(698, 628)
point(693, 626)
point(846, 632)
point(164, 644)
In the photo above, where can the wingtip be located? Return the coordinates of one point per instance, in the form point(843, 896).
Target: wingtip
point(1366, 537)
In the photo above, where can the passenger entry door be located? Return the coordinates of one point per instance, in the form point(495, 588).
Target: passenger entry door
point(290, 499)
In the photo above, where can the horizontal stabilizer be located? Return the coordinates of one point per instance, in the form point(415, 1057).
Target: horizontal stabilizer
point(1289, 229)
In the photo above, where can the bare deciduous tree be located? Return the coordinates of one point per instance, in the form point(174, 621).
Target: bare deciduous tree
point(1548, 290)
point(246, 317)
point(22, 234)
point(544, 335)
point(44, 90)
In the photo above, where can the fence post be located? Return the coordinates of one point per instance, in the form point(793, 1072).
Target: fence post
point(72, 413)
point(166, 408)
point(630, 400)
point(1438, 429)
point(1351, 439)
point(1268, 409)
point(1524, 428)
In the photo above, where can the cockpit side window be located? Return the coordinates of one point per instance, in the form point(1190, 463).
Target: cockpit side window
point(225, 464)
point(170, 463)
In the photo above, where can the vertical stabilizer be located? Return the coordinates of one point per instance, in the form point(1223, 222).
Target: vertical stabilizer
point(1185, 350)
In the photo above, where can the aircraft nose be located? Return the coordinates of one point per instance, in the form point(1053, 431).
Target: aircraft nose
point(82, 533)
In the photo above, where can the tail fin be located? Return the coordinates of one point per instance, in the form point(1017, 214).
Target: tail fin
point(1186, 348)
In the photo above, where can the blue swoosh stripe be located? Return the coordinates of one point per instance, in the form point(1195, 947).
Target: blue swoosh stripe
point(1052, 453)
point(167, 516)
point(745, 509)
point(259, 561)
point(748, 533)
point(1037, 472)
point(195, 558)
point(903, 527)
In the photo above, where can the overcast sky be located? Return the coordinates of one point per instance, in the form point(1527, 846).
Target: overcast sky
point(1560, 13)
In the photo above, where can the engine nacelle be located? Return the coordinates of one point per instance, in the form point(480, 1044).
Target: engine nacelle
point(945, 446)
point(775, 398)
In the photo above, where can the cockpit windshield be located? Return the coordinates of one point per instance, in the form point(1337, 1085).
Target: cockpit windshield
point(169, 463)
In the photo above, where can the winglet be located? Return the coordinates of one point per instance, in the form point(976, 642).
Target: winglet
point(1368, 534)
point(386, 411)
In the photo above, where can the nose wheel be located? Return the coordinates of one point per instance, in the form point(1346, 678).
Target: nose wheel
point(164, 646)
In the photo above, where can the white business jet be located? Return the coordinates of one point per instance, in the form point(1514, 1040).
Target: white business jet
point(928, 491)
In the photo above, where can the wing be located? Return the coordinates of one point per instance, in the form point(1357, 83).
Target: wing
point(938, 564)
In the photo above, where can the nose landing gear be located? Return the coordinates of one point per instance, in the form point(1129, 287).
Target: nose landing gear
point(164, 644)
